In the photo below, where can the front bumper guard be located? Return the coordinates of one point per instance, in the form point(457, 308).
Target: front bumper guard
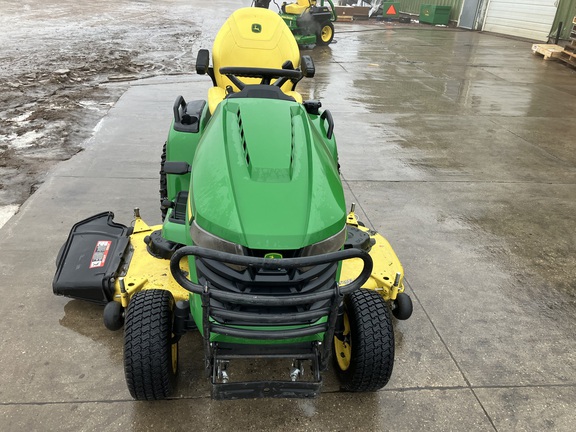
point(317, 352)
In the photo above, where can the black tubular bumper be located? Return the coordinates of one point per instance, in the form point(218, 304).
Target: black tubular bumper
point(270, 264)
point(329, 298)
point(289, 296)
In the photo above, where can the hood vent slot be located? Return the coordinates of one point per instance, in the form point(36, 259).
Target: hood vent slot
point(292, 146)
point(243, 138)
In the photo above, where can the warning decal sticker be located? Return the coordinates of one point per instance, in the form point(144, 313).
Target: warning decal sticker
point(100, 253)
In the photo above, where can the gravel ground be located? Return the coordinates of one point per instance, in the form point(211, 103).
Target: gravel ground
point(55, 61)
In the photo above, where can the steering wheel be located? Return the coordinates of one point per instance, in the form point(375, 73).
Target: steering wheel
point(266, 75)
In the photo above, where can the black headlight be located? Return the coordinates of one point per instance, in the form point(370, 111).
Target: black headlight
point(204, 239)
point(331, 244)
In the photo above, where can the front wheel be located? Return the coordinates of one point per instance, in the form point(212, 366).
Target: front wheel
point(150, 356)
point(325, 34)
point(364, 357)
point(402, 307)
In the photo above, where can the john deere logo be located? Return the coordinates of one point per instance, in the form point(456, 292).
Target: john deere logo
point(273, 255)
point(256, 28)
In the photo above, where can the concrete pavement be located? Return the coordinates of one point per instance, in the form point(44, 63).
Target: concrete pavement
point(457, 146)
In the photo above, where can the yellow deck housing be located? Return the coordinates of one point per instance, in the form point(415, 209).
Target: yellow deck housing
point(141, 271)
point(387, 276)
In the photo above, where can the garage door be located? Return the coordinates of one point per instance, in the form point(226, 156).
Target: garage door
point(530, 19)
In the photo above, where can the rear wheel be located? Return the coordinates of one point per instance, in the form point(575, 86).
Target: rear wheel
point(365, 356)
point(150, 357)
point(325, 33)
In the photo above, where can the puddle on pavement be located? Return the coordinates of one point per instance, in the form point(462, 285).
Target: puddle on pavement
point(539, 234)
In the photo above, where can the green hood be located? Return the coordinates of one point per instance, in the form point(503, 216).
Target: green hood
point(262, 177)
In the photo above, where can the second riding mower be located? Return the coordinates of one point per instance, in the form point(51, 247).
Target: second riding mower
point(256, 250)
point(310, 21)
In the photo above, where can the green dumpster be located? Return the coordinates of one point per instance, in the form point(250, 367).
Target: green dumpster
point(432, 14)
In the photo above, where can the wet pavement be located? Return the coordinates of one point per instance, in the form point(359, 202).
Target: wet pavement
point(455, 145)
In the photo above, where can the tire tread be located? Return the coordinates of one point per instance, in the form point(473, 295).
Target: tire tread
point(372, 343)
point(147, 345)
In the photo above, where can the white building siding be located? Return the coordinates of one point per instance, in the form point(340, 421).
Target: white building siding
point(531, 19)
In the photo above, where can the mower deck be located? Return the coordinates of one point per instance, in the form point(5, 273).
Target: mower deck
point(139, 267)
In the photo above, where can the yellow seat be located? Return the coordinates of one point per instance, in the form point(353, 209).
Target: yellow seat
point(252, 37)
point(299, 7)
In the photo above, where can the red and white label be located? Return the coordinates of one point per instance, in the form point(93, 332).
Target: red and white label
point(100, 253)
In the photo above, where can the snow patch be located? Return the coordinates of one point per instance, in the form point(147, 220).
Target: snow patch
point(21, 118)
point(6, 212)
point(24, 141)
point(98, 126)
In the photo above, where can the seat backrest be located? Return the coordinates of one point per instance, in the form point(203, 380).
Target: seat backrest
point(254, 37)
point(299, 7)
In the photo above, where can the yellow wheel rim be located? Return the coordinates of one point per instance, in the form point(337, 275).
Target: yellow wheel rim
point(326, 34)
point(343, 348)
point(174, 349)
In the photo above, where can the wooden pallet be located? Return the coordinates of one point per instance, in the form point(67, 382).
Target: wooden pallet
point(568, 55)
point(547, 50)
point(571, 47)
point(345, 13)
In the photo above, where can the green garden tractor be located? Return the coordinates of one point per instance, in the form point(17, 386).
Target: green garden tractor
point(257, 252)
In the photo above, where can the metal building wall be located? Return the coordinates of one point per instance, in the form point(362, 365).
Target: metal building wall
point(531, 19)
point(565, 14)
point(413, 6)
